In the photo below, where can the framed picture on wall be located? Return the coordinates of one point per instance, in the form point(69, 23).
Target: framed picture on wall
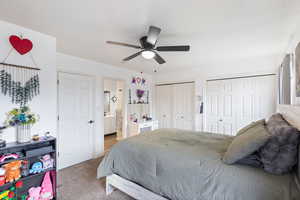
point(297, 65)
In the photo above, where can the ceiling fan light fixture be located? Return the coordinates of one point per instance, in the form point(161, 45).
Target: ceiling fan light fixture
point(148, 54)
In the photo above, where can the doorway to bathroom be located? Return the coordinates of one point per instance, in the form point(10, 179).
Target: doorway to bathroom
point(113, 111)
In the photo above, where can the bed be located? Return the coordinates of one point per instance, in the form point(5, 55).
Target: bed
point(186, 165)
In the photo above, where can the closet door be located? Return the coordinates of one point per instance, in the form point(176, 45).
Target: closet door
point(220, 102)
point(257, 99)
point(164, 106)
point(183, 106)
point(233, 104)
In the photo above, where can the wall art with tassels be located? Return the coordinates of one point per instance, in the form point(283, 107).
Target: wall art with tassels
point(20, 83)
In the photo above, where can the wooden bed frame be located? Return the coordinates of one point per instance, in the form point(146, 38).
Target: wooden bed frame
point(290, 113)
point(130, 188)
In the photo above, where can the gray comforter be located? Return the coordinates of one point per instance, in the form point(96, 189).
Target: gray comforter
point(185, 165)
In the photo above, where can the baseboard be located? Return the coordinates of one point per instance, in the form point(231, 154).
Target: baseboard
point(109, 134)
point(99, 155)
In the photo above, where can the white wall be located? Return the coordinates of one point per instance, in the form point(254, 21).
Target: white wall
point(250, 66)
point(44, 52)
point(66, 63)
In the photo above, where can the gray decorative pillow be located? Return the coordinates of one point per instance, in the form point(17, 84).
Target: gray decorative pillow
point(280, 154)
point(275, 123)
point(247, 143)
point(298, 163)
point(243, 130)
point(251, 160)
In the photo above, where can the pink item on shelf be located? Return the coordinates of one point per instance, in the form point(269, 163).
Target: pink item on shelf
point(47, 188)
point(34, 193)
point(9, 156)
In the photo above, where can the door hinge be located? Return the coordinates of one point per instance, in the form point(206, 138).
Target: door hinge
point(57, 118)
point(57, 82)
point(57, 154)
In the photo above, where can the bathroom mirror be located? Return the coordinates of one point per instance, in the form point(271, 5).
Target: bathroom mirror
point(106, 102)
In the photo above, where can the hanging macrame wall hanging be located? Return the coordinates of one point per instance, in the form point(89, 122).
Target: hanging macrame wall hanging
point(20, 83)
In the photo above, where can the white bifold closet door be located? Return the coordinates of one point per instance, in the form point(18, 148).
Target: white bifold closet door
point(164, 106)
point(232, 104)
point(175, 106)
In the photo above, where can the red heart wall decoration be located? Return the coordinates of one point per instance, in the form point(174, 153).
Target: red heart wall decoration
point(22, 46)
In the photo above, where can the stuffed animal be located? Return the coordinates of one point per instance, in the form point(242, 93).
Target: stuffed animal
point(4, 194)
point(36, 168)
point(47, 161)
point(34, 193)
point(13, 171)
point(47, 189)
point(2, 176)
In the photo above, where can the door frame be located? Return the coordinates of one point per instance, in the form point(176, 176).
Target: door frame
point(124, 106)
point(94, 154)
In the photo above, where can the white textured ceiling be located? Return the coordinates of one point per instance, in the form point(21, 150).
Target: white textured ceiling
point(217, 30)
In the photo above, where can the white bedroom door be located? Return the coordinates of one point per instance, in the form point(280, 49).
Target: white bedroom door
point(234, 103)
point(75, 122)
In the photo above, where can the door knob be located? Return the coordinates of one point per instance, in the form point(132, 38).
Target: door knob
point(221, 120)
point(91, 122)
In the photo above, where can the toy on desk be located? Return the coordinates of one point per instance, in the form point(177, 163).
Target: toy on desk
point(37, 167)
point(13, 171)
point(47, 189)
point(25, 168)
point(8, 156)
point(46, 136)
point(47, 161)
point(36, 137)
point(34, 193)
point(2, 176)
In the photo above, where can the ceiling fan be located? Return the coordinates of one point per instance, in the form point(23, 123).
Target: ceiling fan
point(148, 48)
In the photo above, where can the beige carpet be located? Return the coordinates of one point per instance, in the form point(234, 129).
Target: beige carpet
point(79, 183)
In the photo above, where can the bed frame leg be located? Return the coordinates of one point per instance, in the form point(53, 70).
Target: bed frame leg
point(109, 188)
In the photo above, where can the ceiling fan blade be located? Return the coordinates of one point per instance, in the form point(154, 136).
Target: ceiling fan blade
point(159, 59)
point(123, 44)
point(153, 34)
point(173, 48)
point(132, 56)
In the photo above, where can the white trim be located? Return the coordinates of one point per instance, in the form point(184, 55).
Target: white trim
point(130, 188)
